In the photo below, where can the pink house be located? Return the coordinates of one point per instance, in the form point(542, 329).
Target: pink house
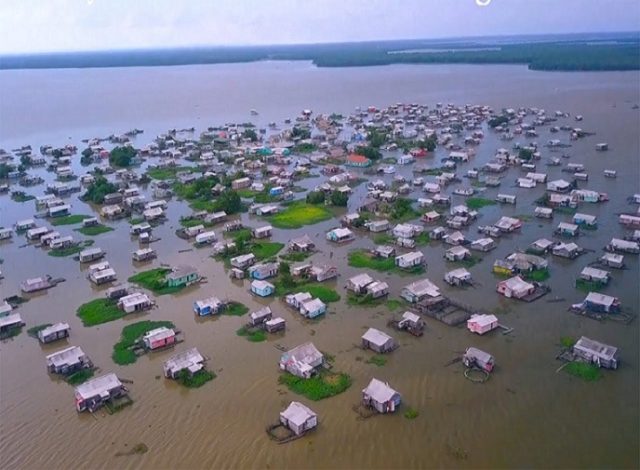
point(482, 324)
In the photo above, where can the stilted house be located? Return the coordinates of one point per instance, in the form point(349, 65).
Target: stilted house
point(67, 361)
point(379, 396)
point(595, 352)
point(159, 338)
point(458, 277)
point(260, 316)
point(515, 287)
point(190, 360)
point(54, 333)
point(419, 290)
point(95, 392)
point(312, 308)
point(298, 418)
point(359, 282)
point(135, 302)
point(482, 323)
point(474, 357)
point(378, 341)
point(302, 361)
point(262, 288)
point(210, 306)
point(412, 322)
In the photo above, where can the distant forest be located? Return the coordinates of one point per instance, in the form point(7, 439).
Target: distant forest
point(567, 53)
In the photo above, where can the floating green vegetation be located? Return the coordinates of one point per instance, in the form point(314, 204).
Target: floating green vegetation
point(11, 332)
point(33, 331)
point(567, 341)
point(475, 203)
point(70, 250)
point(154, 280)
point(255, 336)
point(537, 275)
point(296, 256)
point(422, 239)
point(322, 292)
point(266, 250)
point(364, 300)
point(136, 220)
point(402, 211)
point(411, 413)
point(195, 380)
point(69, 219)
point(123, 353)
point(235, 309)
point(583, 370)
point(94, 230)
point(299, 214)
point(588, 286)
point(322, 385)
point(393, 304)
point(243, 233)
point(468, 262)
point(99, 311)
point(363, 259)
point(21, 196)
point(187, 223)
point(168, 173)
point(377, 360)
point(384, 239)
point(304, 148)
point(79, 377)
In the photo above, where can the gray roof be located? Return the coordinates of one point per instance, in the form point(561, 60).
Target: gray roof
point(379, 391)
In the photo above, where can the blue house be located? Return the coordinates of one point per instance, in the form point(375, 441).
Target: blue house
point(263, 270)
point(262, 288)
point(208, 306)
point(276, 191)
point(313, 308)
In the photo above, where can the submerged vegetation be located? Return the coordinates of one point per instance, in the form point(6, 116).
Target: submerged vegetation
point(123, 353)
point(587, 372)
point(94, 230)
point(79, 377)
point(154, 280)
point(195, 380)
point(33, 331)
point(255, 336)
point(411, 413)
point(377, 360)
point(475, 203)
point(69, 219)
point(99, 311)
point(322, 385)
point(235, 309)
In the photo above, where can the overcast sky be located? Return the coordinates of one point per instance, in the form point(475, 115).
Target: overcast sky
point(66, 25)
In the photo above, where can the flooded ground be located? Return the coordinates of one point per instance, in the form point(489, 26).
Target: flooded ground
point(526, 415)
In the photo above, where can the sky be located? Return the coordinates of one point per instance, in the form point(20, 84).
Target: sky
point(31, 26)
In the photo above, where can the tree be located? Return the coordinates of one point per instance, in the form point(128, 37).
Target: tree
point(429, 144)
point(339, 199)
point(525, 154)
point(285, 275)
point(369, 152)
point(376, 138)
point(230, 202)
point(300, 133)
point(122, 156)
point(5, 169)
point(498, 121)
point(98, 190)
point(315, 197)
point(250, 134)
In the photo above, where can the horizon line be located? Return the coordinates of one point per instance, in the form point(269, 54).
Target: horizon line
point(328, 43)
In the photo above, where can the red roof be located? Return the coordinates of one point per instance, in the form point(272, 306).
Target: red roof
point(355, 158)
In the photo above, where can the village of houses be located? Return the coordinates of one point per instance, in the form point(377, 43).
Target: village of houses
point(401, 196)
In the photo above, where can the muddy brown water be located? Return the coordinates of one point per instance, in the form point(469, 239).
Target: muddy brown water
point(525, 415)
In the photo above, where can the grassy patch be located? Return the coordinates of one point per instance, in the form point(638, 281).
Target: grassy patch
point(296, 256)
point(255, 336)
point(324, 293)
point(475, 203)
point(363, 259)
point(587, 372)
point(63, 252)
point(79, 377)
point(122, 350)
point(154, 280)
point(567, 341)
point(235, 309)
point(136, 220)
point(94, 230)
point(19, 196)
point(99, 311)
point(393, 304)
point(299, 214)
point(411, 413)
point(69, 219)
point(364, 300)
point(377, 360)
point(188, 223)
point(33, 331)
point(195, 380)
point(422, 239)
point(168, 173)
point(384, 239)
point(537, 275)
point(588, 286)
point(243, 233)
point(322, 385)
point(266, 250)
point(246, 193)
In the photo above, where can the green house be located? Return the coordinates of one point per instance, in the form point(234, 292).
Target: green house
point(182, 276)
